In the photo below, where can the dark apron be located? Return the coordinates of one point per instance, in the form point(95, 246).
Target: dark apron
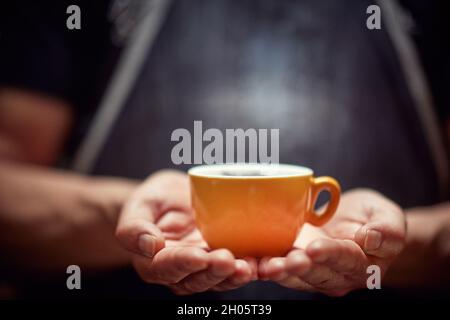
point(310, 68)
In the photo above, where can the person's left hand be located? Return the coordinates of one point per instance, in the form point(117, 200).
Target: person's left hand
point(367, 229)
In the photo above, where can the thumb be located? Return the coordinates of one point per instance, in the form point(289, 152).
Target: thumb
point(136, 231)
point(384, 234)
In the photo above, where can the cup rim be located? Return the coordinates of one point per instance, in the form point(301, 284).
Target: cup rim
point(287, 170)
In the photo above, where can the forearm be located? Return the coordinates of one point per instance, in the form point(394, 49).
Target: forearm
point(425, 261)
point(50, 219)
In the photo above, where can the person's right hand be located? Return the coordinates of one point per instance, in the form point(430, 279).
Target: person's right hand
point(156, 225)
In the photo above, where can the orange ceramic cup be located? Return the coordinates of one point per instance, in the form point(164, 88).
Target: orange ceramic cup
point(257, 209)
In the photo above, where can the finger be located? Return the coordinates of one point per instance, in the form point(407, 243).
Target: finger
point(253, 263)
point(298, 262)
point(319, 276)
point(172, 264)
point(136, 231)
point(262, 267)
point(384, 235)
point(273, 268)
point(343, 256)
point(332, 289)
point(242, 275)
point(296, 271)
point(194, 238)
point(221, 266)
point(175, 224)
point(179, 291)
point(294, 282)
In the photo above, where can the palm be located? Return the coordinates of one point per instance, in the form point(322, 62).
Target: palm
point(343, 226)
point(179, 229)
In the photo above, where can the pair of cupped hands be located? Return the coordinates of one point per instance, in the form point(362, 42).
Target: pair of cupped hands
point(156, 226)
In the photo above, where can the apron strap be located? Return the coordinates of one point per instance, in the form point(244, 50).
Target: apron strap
point(121, 83)
point(418, 88)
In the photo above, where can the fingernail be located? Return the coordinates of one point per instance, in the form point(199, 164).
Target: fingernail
point(373, 240)
point(147, 244)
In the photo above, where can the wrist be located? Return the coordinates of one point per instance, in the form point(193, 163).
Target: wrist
point(108, 195)
point(424, 259)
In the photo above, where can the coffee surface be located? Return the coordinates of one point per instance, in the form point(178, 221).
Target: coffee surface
point(248, 173)
point(243, 173)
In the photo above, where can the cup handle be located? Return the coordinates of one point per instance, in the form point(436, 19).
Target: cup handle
point(332, 186)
